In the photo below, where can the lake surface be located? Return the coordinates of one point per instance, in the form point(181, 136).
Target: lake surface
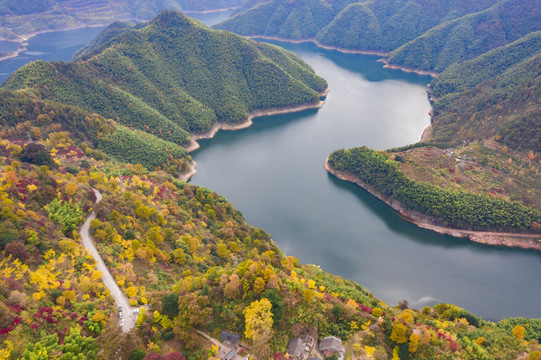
point(273, 173)
point(52, 46)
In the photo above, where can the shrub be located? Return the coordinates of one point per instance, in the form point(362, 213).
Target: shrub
point(36, 154)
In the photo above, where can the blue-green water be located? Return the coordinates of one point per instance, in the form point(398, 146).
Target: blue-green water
point(52, 46)
point(273, 172)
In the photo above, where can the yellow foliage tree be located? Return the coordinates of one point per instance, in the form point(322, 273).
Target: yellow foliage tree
point(70, 189)
point(518, 331)
point(414, 343)
point(222, 250)
point(258, 318)
point(131, 291)
point(399, 333)
point(259, 285)
point(67, 246)
point(407, 317)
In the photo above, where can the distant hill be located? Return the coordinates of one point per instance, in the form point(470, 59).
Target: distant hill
point(470, 36)
point(360, 25)
point(428, 35)
point(173, 77)
point(19, 18)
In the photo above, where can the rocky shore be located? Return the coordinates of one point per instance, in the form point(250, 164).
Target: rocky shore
point(524, 241)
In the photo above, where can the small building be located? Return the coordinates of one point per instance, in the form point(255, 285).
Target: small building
point(229, 338)
point(230, 355)
point(330, 345)
point(295, 348)
point(308, 340)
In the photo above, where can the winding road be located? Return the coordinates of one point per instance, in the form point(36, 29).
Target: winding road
point(128, 316)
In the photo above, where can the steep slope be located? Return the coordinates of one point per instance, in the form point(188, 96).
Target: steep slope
point(497, 103)
point(173, 77)
point(189, 262)
point(360, 25)
point(459, 77)
point(25, 116)
point(385, 25)
point(470, 36)
point(107, 34)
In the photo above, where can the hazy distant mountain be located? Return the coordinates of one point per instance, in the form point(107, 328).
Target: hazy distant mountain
point(19, 18)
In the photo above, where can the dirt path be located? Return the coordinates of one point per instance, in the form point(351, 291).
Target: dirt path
point(120, 299)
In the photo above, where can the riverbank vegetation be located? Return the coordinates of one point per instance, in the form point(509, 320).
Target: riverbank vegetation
point(188, 260)
point(443, 205)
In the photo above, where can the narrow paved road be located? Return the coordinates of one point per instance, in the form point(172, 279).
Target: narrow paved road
point(120, 299)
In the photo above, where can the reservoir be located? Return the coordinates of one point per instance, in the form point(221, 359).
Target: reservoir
point(273, 173)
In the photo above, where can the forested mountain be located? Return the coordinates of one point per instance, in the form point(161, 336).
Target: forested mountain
point(428, 35)
point(495, 94)
point(470, 36)
point(186, 260)
point(18, 18)
point(361, 25)
point(173, 77)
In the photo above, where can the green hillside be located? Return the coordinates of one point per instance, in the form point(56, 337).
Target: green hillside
point(386, 25)
point(465, 75)
point(173, 77)
point(443, 206)
point(469, 36)
point(361, 25)
point(495, 104)
point(72, 128)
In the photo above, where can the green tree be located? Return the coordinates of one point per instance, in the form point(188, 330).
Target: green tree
point(194, 311)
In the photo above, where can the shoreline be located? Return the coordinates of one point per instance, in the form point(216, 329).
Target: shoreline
point(192, 170)
point(524, 241)
point(210, 11)
point(407, 69)
point(350, 51)
point(13, 54)
point(194, 145)
point(22, 38)
point(318, 44)
point(25, 37)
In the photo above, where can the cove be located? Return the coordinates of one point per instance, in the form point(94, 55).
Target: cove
point(273, 173)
